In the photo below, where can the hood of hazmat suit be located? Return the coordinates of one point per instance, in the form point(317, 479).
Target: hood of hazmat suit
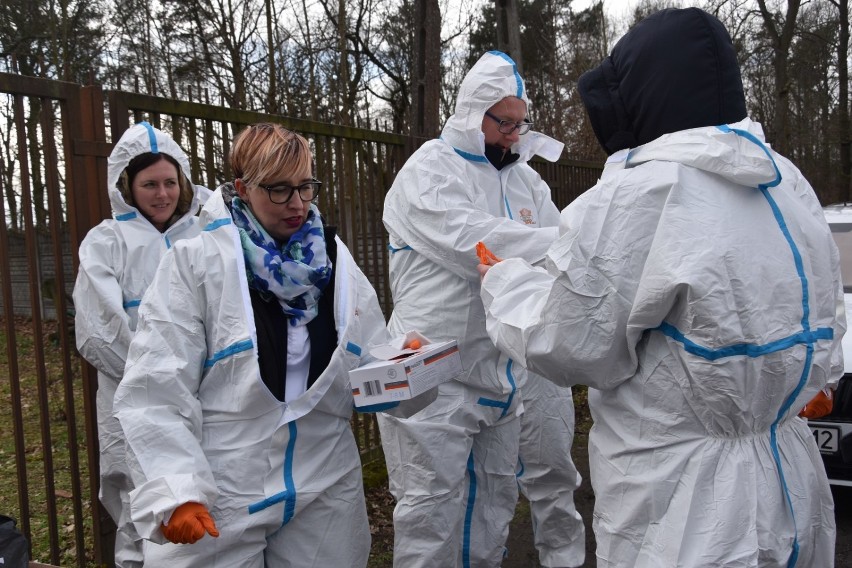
point(118, 259)
point(202, 424)
point(696, 288)
point(447, 198)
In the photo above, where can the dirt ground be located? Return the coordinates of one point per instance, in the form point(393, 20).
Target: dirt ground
point(522, 552)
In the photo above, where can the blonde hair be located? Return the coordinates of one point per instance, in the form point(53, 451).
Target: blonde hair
point(263, 150)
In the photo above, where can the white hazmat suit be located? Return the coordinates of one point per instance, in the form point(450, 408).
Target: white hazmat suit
point(452, 464)
point(697, 289)
point(282, 480)
point(704, 320)
point(118, 259)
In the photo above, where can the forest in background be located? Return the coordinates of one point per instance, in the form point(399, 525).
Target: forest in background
point(396, 65)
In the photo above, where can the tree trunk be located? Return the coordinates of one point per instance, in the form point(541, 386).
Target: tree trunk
point(312, 81)
point(781, 40)
point(843, 102)
point(426, 72)
point(509, 31)
point(271, 105)
point(343, 110)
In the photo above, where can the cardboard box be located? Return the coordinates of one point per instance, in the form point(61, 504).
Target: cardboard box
point(401, 374)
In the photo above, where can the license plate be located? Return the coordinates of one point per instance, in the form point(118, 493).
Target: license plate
point(827, 439)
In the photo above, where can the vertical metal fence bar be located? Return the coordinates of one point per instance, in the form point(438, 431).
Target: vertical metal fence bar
point(31, 240)
point(361, 198)
point(339, 189)
point(119, 120)
point(326, 174)
point(194, 167)
point(227, 136)
point(209, 154)
point(326, 167)
point(61, 308)
point(386, 161)
point(318, 169)
point(370, 191)
point(14, 375)
point(84, 118)
point(177, 129)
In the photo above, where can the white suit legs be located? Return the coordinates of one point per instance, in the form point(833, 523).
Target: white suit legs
point(547, 476)
point(115, 479)
point(327, 526)
point(325, 533)
point(452, 472)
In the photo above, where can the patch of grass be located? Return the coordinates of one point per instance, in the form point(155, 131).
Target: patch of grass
point(582, 415)
point(380, 505)
point(46, 406)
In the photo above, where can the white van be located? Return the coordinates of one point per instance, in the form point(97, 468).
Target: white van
point(833, 433)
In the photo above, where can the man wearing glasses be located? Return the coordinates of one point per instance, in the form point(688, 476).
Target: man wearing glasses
point(453, 463)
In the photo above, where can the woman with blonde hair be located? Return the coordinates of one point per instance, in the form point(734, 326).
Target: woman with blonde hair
point(236, 400)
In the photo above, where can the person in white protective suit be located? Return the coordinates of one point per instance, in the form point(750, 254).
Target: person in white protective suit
point(236, 401)
point(697, 289)
point(452, 465)
point(153, 206)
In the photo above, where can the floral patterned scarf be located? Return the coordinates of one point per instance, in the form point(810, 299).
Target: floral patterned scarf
point(295, 273)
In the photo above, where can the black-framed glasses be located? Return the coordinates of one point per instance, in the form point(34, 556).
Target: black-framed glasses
point(509, 126)
point(280, 193)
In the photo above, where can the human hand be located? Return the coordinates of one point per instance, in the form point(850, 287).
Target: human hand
point(188, 524)
point(486, 257)
point(483, 269)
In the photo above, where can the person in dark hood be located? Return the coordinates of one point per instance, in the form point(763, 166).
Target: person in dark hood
point(674, 71)
point(696, 288)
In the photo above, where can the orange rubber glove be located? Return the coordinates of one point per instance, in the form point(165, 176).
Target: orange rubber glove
point(819, 406)
point(188, 524)
point(486, 256)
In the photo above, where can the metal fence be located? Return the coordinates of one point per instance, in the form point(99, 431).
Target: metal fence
point(53, 188)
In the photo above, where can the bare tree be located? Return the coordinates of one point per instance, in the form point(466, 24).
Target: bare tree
point(426, 79)
point(509, 31)
point(843, 98)
point(227, 40)
point(781, 29)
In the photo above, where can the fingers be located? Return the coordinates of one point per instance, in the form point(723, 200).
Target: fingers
point(486, 256)
point(209, 525)
point(183, 533)
point(189, 523)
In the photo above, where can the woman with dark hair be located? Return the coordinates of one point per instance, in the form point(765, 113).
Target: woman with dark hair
point(153, 204)
point(236, 401)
